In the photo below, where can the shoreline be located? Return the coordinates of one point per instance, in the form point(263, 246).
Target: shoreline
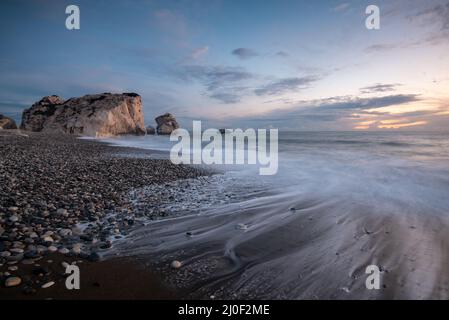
point(65, 199)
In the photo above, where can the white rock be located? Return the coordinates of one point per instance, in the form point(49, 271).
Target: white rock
point(14, 218)
point(47, 285)
point(48, 239)
point(176, 264)
point(52, 249)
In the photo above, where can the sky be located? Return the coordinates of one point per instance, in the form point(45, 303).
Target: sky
point(287, 64)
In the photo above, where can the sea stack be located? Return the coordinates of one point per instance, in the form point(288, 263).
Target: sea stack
point(99, 115)
point(166, 124)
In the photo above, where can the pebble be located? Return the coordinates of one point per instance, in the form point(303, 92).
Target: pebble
point(48, 239)
point(47, 285)
point(16, 250)
point(176, 264)
point(13, 268)
point(64, 250)
point(76, 248)
point(65, 232)
point(62, 212)
point(52, 249)
point(12, 282)
point(29, 290)
point(14, 218)
point(5, 254)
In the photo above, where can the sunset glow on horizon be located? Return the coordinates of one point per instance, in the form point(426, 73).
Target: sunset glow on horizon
point(293, 65)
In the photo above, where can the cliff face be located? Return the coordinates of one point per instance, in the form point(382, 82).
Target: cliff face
point(99, 115)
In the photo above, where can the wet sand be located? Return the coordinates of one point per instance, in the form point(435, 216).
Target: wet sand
point(114, 279)
point(312, 252)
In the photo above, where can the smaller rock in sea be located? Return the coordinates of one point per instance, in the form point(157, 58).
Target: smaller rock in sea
point(12, 282)
point(176, 264)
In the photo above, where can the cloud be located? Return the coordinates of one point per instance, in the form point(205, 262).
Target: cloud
point(244, 53)
point(380, 88)
point(333, 113)
point(220, 82)
point(225, 97)
point(437, 14)
point(282, 54)
point(198, 53)
point(214, 77)
point(341, 7)
point(381, 47)
point(286, 85)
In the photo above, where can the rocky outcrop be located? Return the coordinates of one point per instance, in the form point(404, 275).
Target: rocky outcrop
point(151, 130)
point(7, 123)
point(98, 115)
point(166, 124)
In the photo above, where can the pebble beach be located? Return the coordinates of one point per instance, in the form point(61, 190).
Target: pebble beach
point(66, 200)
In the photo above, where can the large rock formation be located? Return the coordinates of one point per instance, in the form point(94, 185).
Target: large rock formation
point(166, 124)
point(98, 115)
point(7, 123)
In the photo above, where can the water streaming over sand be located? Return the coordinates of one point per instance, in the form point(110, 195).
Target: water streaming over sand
point(340, 202)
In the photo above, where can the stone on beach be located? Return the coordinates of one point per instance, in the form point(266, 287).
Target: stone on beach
point(47, 285)
point(176, 264)
point(13, 282)
point(7, 123)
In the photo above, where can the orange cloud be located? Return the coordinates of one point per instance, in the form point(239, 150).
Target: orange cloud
point(401, 125)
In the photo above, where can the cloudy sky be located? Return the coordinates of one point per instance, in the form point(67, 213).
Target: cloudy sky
point(304, 65)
